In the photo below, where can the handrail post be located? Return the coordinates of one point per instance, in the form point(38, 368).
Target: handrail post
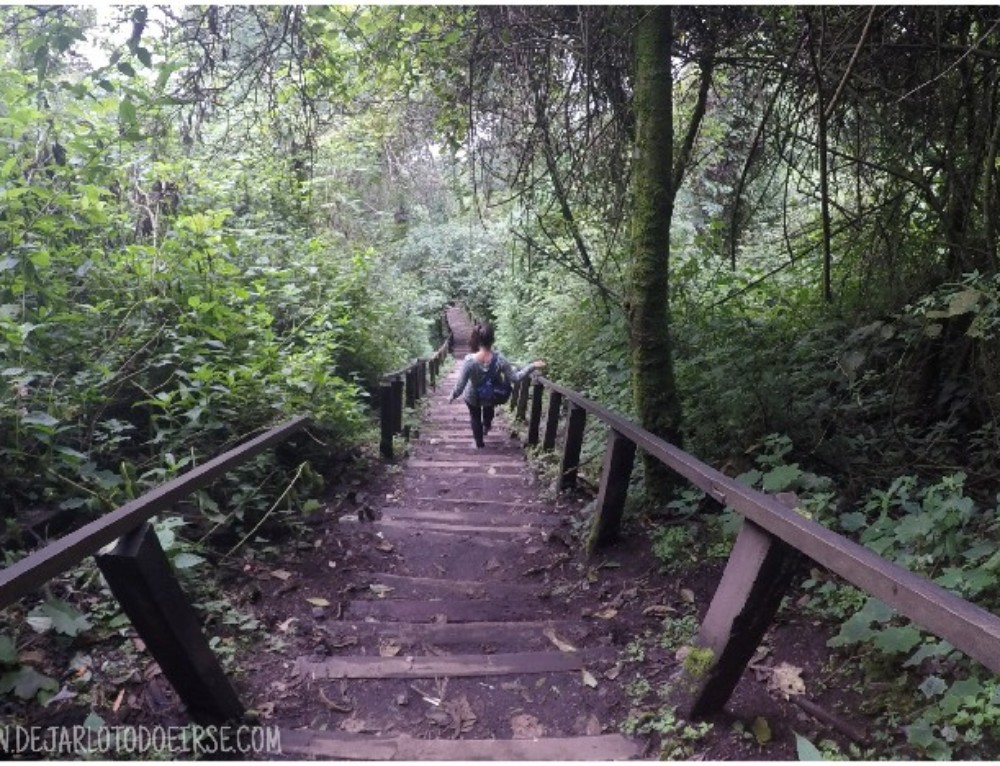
point(618, 458)
point(411, 389)
point(143, 582)
point(522, 399)
point(385, 419)
point(536, 413)
point(571, 449)
point(397, 404)
point(552, 421)
point(758, 574)
point(515, 394)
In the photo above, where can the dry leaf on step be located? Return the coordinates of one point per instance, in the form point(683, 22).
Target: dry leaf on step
point(381, 591)
point(317, 601)
point(607, 614)
point(588, 679)
point(687, 595)
point(385, 546)
point(761, 730)
point(561, 645)
point(280, 574)
point(787, 680)
point(526, 726)
point(388, 648)
point(462, 717)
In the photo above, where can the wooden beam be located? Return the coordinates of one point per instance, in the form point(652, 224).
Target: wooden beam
point(522, 399)
point(33, 571)
point(570, 464)
point(758, 574)
point(451, 666)
point(619, 456)
point(536, 413)
point(357, 747)
point(385, 420)
point(140, 577)
point(397, 405)
point(552, 421)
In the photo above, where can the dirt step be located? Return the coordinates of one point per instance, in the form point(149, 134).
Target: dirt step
point(451, 610)
point(360, 747)
point(451, 666)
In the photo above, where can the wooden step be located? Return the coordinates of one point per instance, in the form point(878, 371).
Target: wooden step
point(360, 747)
point(451, 666)
point(449, 633)
point(478, 529)
point(431, 587)
point(450, 610)
point(498, 518)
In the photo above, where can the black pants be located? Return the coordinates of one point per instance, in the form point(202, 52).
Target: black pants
point(482, 419)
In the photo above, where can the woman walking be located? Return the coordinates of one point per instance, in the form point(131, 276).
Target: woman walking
point(482, 370)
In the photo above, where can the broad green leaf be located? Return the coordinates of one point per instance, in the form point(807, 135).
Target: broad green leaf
point(967, 687)
point(933, 686)
point(26, 683)
point(805, 749)
point(850, 522)
point(65, 619)
point(41, 259)
point(781, 478)
point(761, 730)
point(895, 640)
point(126, 112)
point(8, 652)
point(143, 55)
point(963, 302)
point(126, 69)
point(93, 721)
point(750, 478)
point(40, 419)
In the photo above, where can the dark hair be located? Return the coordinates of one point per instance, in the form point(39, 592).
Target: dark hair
point(482, 335)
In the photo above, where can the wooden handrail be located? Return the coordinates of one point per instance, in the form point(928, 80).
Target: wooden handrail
point(964, 625)
point(26, 575)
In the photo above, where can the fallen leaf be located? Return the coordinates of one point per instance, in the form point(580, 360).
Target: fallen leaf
point(388, 648)
point(588, 679)
point(336, 706)
point(280, 574)
point(561, 645)
point(658, 610)
point(354, 725)
point(687, 595)
point(317, 601)
point(787, 680)
point(761, 730)
point(385, 546)
point(607, 614)
point(331, 564)
point(588, 725)
point(284, 626)
point(462, 717)
point(491, 471)
point(492, 565)
point(526, 726)
point(612, 673)
point(381, 591)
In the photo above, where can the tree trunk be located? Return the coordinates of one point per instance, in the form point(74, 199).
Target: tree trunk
point(654, 388)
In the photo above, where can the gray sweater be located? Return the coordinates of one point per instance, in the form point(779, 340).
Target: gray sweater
point(473, 373)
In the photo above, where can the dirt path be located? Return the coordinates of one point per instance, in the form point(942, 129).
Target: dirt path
point(455, 637)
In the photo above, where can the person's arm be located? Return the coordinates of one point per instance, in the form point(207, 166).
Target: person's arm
point(463, 379)
point(514, 374)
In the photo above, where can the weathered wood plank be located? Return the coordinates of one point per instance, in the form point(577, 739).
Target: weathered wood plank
point(450, 610)
point(552, 421)
point(500, 517)
point(445, 633)
point(355, 747)
point(535, 420)
point(397, 404)
point(432, 587)
point(385, 420)
point(451, 666)
point(522, 504)
point(459, 529)
point(618, 458)
point(24, 576)
point(571, 449)
point(141, 578)
point(758, 574)
point(485, 464)
point(522, 399)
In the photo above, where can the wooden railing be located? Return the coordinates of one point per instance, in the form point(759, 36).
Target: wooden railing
point(407, 386)
point(766, 556)
point(142, 580)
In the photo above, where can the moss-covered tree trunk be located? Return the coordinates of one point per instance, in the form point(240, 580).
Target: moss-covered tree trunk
point(654, 388)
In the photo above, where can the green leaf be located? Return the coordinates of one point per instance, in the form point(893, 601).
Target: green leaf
point(311, 505)
point(26, 682)
point(761, 730)
point(781, 478)
point(750, 478)
point(187, 560)
point(65, 619)
point(805, 749)
point(40, 419)
point(126, 112)
point(851, 522)
point(41, 258)
point(8, 652)
point(126, 69)
point(93, 721)
point(896, 640)
point(143, 55)
point(968, 687)
point(933, 686)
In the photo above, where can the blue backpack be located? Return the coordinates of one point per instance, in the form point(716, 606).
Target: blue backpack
point(494, 388)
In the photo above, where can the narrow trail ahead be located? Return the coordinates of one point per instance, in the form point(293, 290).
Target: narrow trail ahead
point(458, 641)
